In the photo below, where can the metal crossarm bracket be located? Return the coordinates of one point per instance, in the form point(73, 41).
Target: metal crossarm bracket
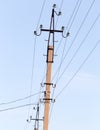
point(48, 84)
point(52, 31)
point(37, 119)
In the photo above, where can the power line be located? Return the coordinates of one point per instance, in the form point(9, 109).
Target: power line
point(74, 13)
point(61, 4)
point(73, 16)
point(20, 99)
point(56, 25)
point(68, 23)
point(76, 34)
point(43, 5)
point(33, 66)
point(59, 11)
point(79, 47)
point(80, 28)
point(35, 37)
point(35, 42)
point(97, 43)
point(60, 61)
point(35, 48)
point(17, 107)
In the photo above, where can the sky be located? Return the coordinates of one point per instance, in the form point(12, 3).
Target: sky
point(23, 64)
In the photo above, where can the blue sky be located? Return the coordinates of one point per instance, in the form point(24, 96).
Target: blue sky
point(78, 107)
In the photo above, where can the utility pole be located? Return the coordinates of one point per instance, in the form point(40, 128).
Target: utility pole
point(36, 119)
point(50, 59)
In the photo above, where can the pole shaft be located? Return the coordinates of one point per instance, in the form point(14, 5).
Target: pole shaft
point(48, 80)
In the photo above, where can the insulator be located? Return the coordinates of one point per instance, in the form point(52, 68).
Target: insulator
point(68, 34)
point(54, 86)
point(34, 108)
point(41, 26)
point(42, 85)
point(54, 6)
point(44, 93)
point(62, 28)
point(35, 32)
point(28, 121)
point(53, 100)
point(59, 13)
point(30, 117)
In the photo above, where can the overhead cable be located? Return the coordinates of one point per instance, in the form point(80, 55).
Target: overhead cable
point(20, 99)
point(59, 11)
point(35, 43)
point(74, 14)
point(17, 107)
point(72, 18)
point(35, 38)
point(79, 47)
point(43, 5)
point(76, 35)
point(97, 43)
point(79, 28)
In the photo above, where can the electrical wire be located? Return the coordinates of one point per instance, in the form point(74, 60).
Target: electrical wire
point(80, 28)
point(73, 16)
point(87, 13)
point(93, 49)
point(60, 60)
point(59, 11)
point(55, 53)
point(17, 107)
point(58, 95)
point(35, 43)
point(61, 5)
point(72, 59)
point(56, 26)
point(34, 52)
point(76, 9)
point(79, 47)
point(38, 24)
point(43, 5)
point(20, 99)
point(33, 67)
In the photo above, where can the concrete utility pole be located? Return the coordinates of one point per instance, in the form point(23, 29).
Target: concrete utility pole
point(50, 59)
